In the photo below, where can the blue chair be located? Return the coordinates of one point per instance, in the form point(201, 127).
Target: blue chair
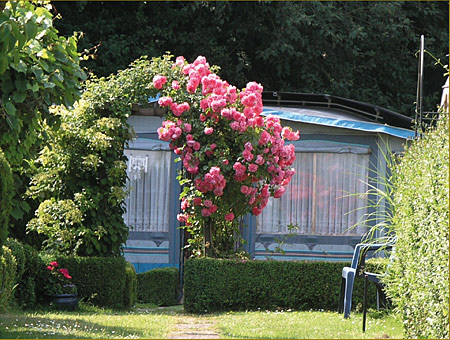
point(355, 270)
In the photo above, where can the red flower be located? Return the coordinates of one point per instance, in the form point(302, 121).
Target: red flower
point(65, 272)
point(54, 264)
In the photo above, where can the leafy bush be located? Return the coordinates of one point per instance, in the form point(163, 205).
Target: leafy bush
point(19, 254)
point(7, 276)
point(38, 68)
point(6, 191)
point(99, 280)
point(418, 279)
point(130, 292)
point(220, 285)
point(158, 286)
point(29, 291)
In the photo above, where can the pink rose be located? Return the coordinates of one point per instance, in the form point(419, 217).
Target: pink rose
point(187, 128)
point(207, 203)
point(279, 192)
point(247, 154)
point(206, 212)
point(208, 130)
point(159, 81)
point(252, 167)
point(179, 61)
point(175, 85)
point(229, 217)
point(165, 101)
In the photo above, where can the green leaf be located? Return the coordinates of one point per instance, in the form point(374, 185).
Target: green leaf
point(10, 109)
point(3, 63)
point(19, 97)
point(21, 84)
point(30, 30)
point(5, 32)
point(48, 84)
point(33, 87)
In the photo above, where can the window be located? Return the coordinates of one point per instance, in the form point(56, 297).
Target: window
point(149, 180)
point(322, 197)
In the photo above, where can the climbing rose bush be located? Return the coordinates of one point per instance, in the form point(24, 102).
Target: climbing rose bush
point(233, 158)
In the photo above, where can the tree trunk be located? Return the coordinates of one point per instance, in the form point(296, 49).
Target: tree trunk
point(207, 240)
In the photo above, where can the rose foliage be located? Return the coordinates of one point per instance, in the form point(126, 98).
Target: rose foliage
point(233, 158)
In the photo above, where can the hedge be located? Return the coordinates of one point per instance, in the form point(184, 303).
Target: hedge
point(418, 281)
point(99, 280)
point(158, 286)
point(7, 276)
point(130, 292)
point(6, 192)
point(212, 285)
point(29, 291)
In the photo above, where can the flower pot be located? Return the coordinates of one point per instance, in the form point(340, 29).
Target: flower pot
point(64, 301)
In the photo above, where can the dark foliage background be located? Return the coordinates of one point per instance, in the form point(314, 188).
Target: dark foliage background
point(359, 50)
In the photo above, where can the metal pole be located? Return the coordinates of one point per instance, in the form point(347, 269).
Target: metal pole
point(419, 88)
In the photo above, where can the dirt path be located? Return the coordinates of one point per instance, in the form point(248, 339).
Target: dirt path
point(194, 328)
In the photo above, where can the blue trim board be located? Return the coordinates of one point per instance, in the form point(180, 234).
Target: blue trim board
point(304, 258)
point(342, 123)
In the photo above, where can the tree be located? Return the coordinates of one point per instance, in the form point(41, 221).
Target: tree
point(38, 68)
point(360, 50)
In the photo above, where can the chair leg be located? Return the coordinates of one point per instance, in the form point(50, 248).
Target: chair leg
point(341, 296)
point(365, 304)
point(348, 294)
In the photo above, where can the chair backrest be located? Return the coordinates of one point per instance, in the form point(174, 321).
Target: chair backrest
point(361, 250)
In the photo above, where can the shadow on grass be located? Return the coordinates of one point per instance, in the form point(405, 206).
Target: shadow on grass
point(36, 327)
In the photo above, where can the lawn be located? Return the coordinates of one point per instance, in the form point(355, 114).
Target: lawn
point(150, 322)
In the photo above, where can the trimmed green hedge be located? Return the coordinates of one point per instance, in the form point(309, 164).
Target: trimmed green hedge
point(7, 276)
point(104, 281)
point(100, 280)
point(29, 291)
point(158, 286)
point(130, 292)
point(212, 285)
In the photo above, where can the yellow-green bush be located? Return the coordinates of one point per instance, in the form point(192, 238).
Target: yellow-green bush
point(418, 278)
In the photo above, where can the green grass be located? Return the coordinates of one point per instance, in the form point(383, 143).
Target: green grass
point(307, 325)
point(87, 322)
point(149, 321)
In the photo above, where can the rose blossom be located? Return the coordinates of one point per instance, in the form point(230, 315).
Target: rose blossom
point(159, 81)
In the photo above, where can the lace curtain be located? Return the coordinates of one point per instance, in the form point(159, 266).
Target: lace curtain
point(149, 181)
point(324, 197)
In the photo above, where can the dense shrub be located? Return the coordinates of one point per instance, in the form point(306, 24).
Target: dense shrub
point(418, 279)
point(7, 276)
point(29, 291)
point(6, 192)
point(99, 280)
point(18, 252)
point(221, 285)
point(130, 292)
point(158, 286)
